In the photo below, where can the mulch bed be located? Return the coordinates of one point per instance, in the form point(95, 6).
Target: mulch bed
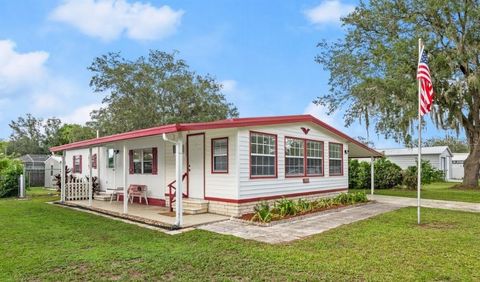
point(248, 217)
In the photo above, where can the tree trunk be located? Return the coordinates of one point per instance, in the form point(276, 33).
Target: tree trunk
point(472, 163)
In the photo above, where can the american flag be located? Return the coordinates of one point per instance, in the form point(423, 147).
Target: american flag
point(426, 87)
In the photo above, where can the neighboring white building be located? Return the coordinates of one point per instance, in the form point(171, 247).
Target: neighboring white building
point(53, 165)
point(232, 164)
point(439, 156)
point(457, 165)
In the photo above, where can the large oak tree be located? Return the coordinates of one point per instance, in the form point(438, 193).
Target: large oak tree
point(373, 68)
point(154, 90)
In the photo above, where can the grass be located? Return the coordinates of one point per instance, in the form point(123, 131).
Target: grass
point(41, 191)
point(40, 241)
point(436, 191)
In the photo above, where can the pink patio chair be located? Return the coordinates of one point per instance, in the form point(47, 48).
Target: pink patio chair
point(139, 191)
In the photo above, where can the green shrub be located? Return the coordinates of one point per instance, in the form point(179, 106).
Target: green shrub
point(10, 171)
point(429, 175)
point(387, 174)
point(262, 213)
point(285, 207)
point(303, 205)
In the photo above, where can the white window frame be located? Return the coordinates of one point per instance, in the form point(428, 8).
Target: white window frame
point(215, 154)
point(142, 160)
point(274, 155)
point(339, 159)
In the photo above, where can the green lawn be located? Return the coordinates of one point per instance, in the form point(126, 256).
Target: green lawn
point(41, 191)
point(47, 242)
point(437, 191)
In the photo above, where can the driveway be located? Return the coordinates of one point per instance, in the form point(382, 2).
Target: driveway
point(293, 230)
point(427, 203)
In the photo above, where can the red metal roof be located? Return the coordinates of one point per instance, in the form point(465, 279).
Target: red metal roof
point(227, 123)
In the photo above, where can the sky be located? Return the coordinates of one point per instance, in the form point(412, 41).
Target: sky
point(261, 51)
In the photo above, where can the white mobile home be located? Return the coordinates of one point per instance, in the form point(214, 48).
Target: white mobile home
point(52, 167)
point(439, 156)
point(457, 165)
point(230, 165)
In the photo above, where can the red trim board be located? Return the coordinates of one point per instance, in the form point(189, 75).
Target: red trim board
point(227, 123)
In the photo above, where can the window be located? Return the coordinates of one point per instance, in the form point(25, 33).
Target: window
point(77, 164)
point(263, 155)
point(314, 157)
point(147, 160)
point(335, 159)
point(141, 161)
point(294, 157)
point(111, 158)
point(51, 170)
point(301, 153)
point(220, 155)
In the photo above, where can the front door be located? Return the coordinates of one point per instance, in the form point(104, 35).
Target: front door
point(196, 165)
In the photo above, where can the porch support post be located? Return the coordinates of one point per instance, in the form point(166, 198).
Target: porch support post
point(90, 180)
point(178, 174)
point(372, 175)
point(62, 178)
point(125, 175)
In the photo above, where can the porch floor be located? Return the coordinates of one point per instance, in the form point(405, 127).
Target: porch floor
point(149, 214)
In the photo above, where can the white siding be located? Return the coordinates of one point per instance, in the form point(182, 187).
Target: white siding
point(221, 185)
point(111, 178)
point(252, 188)
point(405, 161)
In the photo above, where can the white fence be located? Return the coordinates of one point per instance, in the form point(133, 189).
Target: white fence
point(76, 189)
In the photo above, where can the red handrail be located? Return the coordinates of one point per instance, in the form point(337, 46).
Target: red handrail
point(173, 191)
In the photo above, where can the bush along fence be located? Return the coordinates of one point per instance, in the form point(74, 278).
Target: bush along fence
point(286, 208)
point(389, 175)
point(10, 171)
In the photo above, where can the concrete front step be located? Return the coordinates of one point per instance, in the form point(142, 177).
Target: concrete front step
point(194, 206)
point(102, 196)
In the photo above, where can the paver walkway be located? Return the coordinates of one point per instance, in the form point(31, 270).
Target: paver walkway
point(298, 229)
point(427, 203)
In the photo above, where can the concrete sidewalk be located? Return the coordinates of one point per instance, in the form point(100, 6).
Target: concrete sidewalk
point(301, 228)
point(427, 203)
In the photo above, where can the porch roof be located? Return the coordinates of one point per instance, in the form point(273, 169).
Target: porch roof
point(356, 148)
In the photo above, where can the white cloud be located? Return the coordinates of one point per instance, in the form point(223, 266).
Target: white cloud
point(229, 86)
point(328, 12)
point(28, 85)
point(320, 112)
point(109, 19)
point(18, 70)
point(81, 114)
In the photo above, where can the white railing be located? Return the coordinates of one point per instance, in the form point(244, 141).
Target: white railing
point(76, 189)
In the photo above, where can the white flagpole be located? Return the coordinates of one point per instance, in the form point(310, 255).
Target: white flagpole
point(419, 168)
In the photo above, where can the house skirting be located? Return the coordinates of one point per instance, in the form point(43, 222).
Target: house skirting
point(237, 208)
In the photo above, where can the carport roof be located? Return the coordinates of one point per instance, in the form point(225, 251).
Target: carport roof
point(356, 148)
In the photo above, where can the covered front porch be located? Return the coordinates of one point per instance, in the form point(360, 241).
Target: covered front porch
point(151, 169)
point(146, 214)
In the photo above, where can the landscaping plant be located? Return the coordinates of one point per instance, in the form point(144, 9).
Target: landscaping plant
point(262, 213)
point(429, 175)
point(10, 171)
point(285, 207)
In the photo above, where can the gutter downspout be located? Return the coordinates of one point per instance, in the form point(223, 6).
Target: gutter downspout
point(178, 178)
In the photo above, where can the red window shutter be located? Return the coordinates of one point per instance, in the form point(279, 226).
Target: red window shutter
point(80, 164)
point(130, 156)
point(154, 161)
point(73, 164)
point(94, 161)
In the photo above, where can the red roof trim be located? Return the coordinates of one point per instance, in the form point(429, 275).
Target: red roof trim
point(227, 123)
